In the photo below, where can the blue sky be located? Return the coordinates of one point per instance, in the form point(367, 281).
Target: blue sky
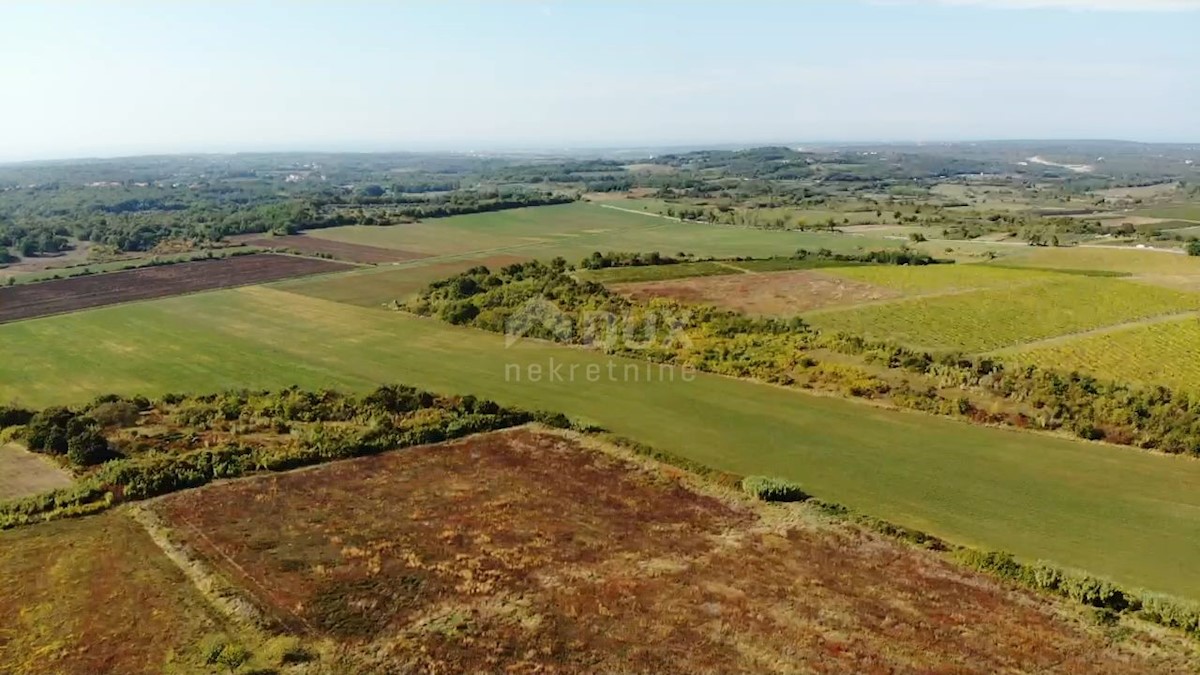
point(134, 77)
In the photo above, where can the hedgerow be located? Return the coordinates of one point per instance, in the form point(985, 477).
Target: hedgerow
point(546, 302)
point(389, 418)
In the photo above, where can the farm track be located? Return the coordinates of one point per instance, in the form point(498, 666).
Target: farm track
point(48, 298)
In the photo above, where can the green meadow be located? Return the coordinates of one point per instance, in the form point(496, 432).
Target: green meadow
point(575, 230)
point(1117, 512)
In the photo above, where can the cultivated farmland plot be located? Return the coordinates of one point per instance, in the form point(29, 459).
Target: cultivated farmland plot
point(341, 250)
point(1162, 353)
point(70, 295)
point(981, 321)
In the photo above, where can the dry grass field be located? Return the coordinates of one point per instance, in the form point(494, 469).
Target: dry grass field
point(23, 473)
point(94, 596)
point(776, 293)
point(524, 551)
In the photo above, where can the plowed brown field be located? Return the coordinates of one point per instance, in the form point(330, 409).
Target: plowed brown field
point(70, 295)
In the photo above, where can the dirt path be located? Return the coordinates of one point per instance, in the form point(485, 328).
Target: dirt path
point(731, 266)
point(1103, 330)
point(23, 473)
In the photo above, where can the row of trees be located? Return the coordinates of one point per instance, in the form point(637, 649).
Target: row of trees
point(270, 431)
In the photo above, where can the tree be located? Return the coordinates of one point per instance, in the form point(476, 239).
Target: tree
point(1193, 247)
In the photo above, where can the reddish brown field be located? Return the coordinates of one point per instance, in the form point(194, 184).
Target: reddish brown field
point(70, 295)
point(94, 596)
point(342, 251)
point(526, 552)
point(773, 293)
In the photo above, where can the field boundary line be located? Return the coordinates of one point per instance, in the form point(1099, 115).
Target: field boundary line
point(1067, 338)
point(201, 574)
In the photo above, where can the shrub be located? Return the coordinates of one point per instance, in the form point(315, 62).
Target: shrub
point(11, 416)
point(773, 489)
point(115, 414)
point(47, 430)
point(88, 448)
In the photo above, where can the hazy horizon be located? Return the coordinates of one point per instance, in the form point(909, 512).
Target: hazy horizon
point(188, 78)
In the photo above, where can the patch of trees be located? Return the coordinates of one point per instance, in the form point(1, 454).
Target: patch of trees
point(337, 213)
point(600, 261)
point(318, 427)
point(62, 432)
point(902, 256)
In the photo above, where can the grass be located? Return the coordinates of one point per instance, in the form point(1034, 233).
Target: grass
point(95, 596)
point(480, 555)
point(770, 294)
point(378, 286)
point(575, 230)
point(1172, 212)
point(1113, 260)
point(937, 278)
point(1164, 353)
point(1132, 516)
point(980, 321)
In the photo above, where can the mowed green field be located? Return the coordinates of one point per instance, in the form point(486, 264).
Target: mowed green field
point(997, 318)
point(1117, 512)
point(575, 230)
point(377, 286)
point(1162, 353)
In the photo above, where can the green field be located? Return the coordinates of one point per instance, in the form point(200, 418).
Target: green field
point(1172, 211)
point(939, 278)
point(1110, 259)
point(377, 286)
point(576, 230)
point(1165, 353)
point(1129, 515)
point(980, 321)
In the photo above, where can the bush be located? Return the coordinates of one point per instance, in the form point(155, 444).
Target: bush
point(88, 448)
point(47, 430)
point(115, 414)
point(774, 489)
point(11, 416)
